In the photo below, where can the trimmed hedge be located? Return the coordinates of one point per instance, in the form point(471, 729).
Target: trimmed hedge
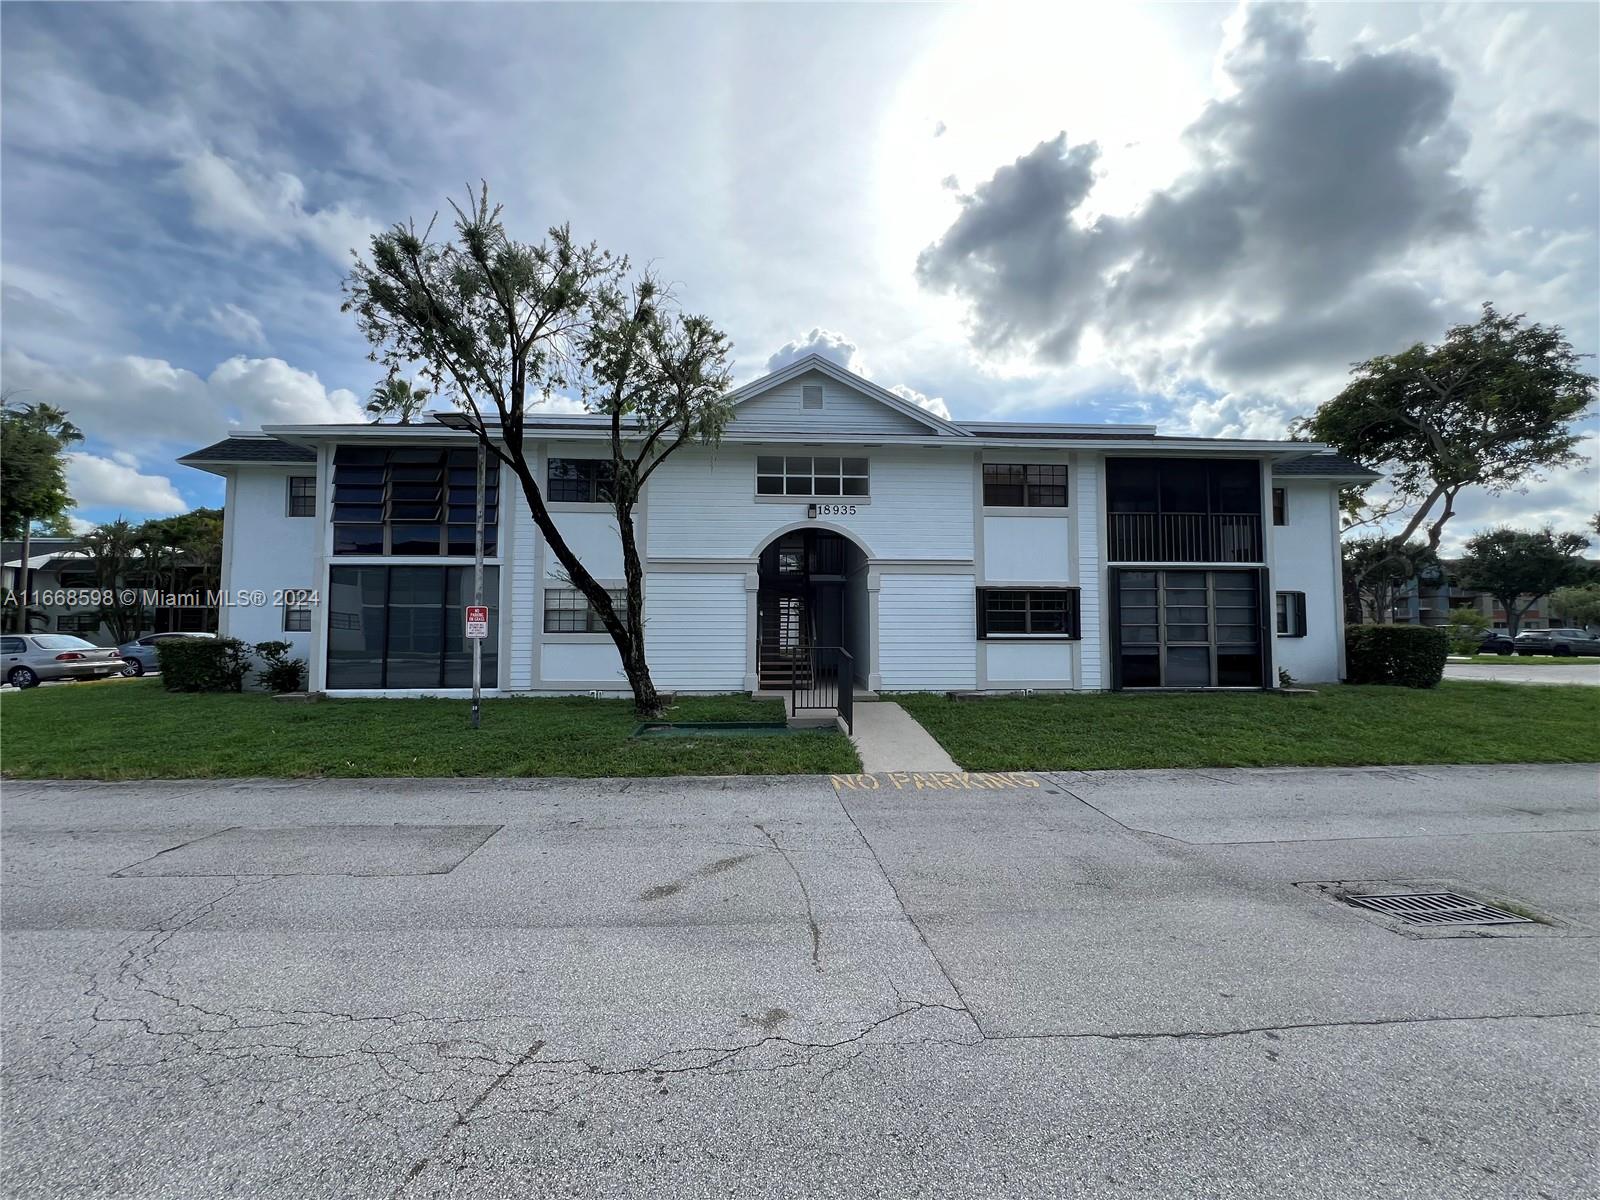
point(1402, 655)
point(203, 664)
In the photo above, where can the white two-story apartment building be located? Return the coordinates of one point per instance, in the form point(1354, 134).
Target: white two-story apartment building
point(940, 555)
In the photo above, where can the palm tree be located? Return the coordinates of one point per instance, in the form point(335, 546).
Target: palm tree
point(396, 397)
point(114, 556)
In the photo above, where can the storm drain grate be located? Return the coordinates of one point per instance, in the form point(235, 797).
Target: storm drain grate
point(1438, 908)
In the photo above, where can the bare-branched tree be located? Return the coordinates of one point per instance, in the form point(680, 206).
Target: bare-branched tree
point(499, 326)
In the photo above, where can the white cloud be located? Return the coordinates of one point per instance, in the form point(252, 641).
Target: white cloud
point(266, 391)
point(237, 325)
point(97, 482)
point(231, 198)
point(933, 404)
point(834, 347)
point(130, 401)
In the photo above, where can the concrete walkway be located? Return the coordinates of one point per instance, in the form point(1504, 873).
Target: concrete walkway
point(889, 740)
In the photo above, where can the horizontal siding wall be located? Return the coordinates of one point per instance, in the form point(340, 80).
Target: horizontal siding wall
point(927, 636)
point(702, 505)
point(695, 630)
point(844, 410)
point(524, 617)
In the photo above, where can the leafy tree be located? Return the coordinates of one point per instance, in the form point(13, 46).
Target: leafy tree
point(181, 554)
point(1491, 406)
point(501, 325)
point(1466, 628)
point(115, 553)
point(1579, 604)
point(33, 478)
point(1514, 564)
point(396, 397)
point(1375, 569)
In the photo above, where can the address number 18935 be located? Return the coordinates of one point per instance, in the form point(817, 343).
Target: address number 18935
point(836, 510)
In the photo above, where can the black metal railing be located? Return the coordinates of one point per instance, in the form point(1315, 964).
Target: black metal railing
point(1184, 537)
point(827, 685)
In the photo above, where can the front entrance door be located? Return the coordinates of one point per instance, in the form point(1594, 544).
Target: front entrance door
point(800, 604)
point(1182, 628)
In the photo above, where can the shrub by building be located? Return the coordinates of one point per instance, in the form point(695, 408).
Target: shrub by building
point(203, 664)
point(1400, 655)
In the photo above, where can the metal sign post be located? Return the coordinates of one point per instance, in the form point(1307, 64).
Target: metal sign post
point(477, 596)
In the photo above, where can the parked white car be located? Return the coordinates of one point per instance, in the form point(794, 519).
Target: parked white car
point(29, 659)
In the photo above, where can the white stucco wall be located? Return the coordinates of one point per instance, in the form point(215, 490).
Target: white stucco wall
point(1028, 549)
point(271, 551)
point(1029, 664)
point(1305, 554)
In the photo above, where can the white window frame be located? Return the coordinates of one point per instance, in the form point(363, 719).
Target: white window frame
point(289, 497)
point(1289, 614)
point(592, 622)
point(803, 466)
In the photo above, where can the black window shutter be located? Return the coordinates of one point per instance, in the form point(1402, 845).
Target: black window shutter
point(983, 614)
point(1299, 614)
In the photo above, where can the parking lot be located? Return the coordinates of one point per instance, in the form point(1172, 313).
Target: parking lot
point(939, 984)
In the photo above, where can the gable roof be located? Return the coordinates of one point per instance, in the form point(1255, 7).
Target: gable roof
point(815, 362)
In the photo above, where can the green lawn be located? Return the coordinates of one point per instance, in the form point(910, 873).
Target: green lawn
point(1457, 722)
point(127, 729)
point(1524, 660)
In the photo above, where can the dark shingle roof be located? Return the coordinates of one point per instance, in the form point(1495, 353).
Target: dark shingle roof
point(251, 450)
point(1324, 464)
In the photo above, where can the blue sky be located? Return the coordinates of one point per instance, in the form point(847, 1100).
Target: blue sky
point(1196, 215)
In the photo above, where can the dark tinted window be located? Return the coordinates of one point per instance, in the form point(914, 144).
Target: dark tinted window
point(1014, 484)
point(581, 480)
point(1182, 485)
point(1003, 611)
point(302, 495)
point(404, 627)
point(406, 500)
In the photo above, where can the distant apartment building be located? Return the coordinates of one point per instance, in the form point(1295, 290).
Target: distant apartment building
point(1433, 595)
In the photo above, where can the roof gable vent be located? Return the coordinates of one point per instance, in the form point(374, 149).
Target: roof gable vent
point(811, 396)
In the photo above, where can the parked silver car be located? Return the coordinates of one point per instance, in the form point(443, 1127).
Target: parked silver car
point(28, 659)
point(140, 655)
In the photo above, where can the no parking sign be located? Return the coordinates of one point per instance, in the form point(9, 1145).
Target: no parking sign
point(477, 620)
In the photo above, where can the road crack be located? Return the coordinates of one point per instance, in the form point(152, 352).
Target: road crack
point(922, 936)
point(805, 895)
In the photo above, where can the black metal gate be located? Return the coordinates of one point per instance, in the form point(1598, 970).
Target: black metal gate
point(829, 684)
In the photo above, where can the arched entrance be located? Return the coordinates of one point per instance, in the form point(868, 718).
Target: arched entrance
point(813, 591)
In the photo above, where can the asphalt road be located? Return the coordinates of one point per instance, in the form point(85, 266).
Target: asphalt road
point(1586, 671)
point(1094, 985)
